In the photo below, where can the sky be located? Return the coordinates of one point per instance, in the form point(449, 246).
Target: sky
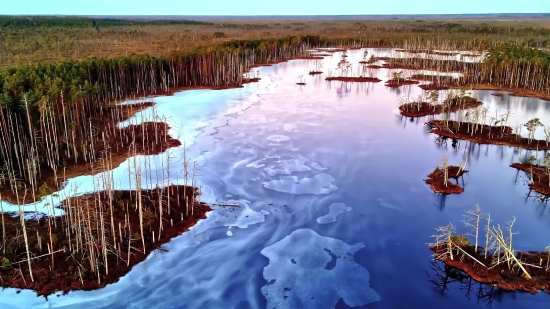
point(269, 7)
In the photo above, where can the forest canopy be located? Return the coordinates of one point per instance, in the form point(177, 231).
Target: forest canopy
point(23, 22)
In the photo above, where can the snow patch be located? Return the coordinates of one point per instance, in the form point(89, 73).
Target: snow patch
point(318, 184)
point(287, 167)
point(334, 210)
point(239, 216)
point(317, 166)
point(278, 138)
point(298, 273)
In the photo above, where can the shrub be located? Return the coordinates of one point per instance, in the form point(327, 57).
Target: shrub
point(219, 35)
point(6, 264)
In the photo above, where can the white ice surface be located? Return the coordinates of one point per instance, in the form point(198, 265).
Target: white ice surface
point(318, 184)
point(334, 210)
point(298, 273)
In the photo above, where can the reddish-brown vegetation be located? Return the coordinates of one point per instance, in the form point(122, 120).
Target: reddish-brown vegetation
point(540, 176)
point(69, 270)
point(439, 184)
point(270, 63)
point(419, 109)
point(498, 94)
point(315, 72)
point(485, 134)
point(470, 80)
point(516, 92)
point(502, 276)
point(355, 79)
point(397, 82)
point(440, 79)
point(427, 51)
point(434, 86)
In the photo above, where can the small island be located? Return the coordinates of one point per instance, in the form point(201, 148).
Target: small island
point(101, 236)
point(397, 80)
point(439, 179)
point(539, 174)
point(345, 68)
point(358, 79)
point(478, 132)
point(454, 102)
point(251, 77)
point(496, 263)
point(318, 69)
point(301, 81)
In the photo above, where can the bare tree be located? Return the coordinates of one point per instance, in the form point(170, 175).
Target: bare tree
point(472, 220)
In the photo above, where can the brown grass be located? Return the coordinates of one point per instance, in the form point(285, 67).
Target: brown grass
point(436, 180)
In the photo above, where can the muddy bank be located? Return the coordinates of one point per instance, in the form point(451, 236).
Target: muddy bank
point(430, 52)
point(419, 109)
point(251, 80)
point(355, 79)
point(517, 92)
point(485, 134)
point(425, 108)
point(397, 82)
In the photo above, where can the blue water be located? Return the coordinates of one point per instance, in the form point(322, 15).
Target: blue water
point(285, 154)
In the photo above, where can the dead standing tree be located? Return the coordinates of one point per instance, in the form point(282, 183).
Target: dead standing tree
point(499, 241)
point(447, 243)
point(472, 220)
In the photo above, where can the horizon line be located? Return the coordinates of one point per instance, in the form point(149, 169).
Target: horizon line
point(267, 15)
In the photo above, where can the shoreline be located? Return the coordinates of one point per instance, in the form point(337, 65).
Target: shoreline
point(425, 108)
point(125, 111)
point(72, 268)
point(502, 135)
point(354, 79)
point(436, 180)
point(541, 179)
point(501, 275)
point(118, 143)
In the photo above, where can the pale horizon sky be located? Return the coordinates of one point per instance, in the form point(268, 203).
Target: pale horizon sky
point(280, 7)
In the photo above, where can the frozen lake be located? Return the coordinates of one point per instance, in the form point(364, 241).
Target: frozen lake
point(333, 209)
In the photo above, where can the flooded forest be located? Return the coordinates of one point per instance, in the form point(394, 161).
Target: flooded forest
point(277, 163)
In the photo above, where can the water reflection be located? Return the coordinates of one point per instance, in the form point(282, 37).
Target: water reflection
point(443, 278)
point(274, 143)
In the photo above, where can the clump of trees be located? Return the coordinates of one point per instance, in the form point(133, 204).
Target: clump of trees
point(477, 126)
point(538, 170)
point(429, 104)
point(103, 233)
point(490, 253)
point(438, 179)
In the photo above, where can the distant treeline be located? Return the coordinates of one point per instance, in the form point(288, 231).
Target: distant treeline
point(531, 36)
point(23, 22)
point(49, 106)
point(48, 98)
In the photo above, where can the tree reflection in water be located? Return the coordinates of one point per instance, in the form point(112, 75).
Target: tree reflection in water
point(444, 278)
